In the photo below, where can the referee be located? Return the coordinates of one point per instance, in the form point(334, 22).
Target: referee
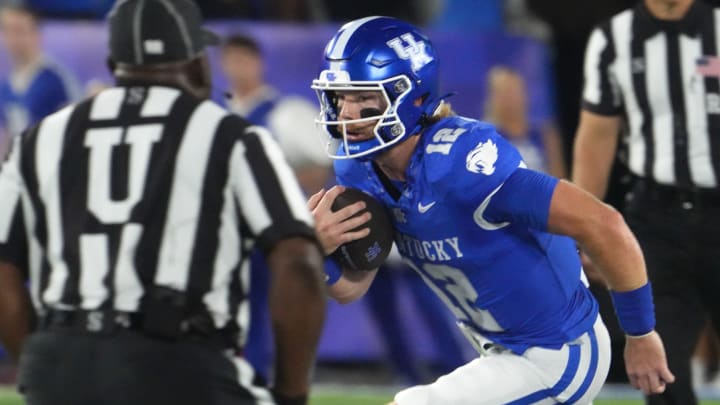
point(132, 215)
point(653, 74)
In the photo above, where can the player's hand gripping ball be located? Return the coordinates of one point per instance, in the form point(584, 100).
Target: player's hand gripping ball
point(367, 253)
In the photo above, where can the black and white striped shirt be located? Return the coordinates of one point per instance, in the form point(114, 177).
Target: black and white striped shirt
point(143, 186)
point(664, 77)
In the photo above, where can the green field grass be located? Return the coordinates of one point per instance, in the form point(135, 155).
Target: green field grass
point(10, 397)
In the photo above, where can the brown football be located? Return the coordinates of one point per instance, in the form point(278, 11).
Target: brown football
point(371, 251)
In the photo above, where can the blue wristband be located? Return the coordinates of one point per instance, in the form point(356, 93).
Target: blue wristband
point(333, 271)
point(635, 310)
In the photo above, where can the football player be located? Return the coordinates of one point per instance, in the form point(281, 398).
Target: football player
point(495, 240)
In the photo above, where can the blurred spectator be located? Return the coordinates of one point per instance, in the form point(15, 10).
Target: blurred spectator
point(520, 20)
point(507, 108)
point(291, 120)
point(35, 86)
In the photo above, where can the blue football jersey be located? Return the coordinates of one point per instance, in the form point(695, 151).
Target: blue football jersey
point(518, 286)
point(50, 89)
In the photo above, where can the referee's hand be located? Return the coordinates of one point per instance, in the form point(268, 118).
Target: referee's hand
point(646, 364)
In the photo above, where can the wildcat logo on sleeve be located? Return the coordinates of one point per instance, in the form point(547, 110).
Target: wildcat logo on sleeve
point(482, 159)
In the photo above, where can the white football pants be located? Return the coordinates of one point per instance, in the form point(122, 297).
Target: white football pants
point(572, 374)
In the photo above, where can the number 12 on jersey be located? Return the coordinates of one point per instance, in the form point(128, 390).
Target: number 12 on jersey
point(453, 287)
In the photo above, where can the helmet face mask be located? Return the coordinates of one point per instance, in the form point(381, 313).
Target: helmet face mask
point(388, 128)
point(384, 55)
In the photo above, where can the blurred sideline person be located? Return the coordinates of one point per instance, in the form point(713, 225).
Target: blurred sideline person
point(134, 225)
point(290, 118)
point(291, 121)
point(493, 239)
point(652, 74)
point(36, 86)
point(506, 107)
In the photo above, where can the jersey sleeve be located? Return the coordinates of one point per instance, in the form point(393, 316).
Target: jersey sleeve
point(601, 93)
point(270, 199)
point(523, 198)
point(475, 165)
point(13, 236)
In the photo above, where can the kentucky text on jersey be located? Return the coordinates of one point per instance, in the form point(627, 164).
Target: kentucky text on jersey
point(433, 250)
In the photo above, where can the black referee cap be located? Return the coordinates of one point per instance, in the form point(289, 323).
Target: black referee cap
point(147, 32)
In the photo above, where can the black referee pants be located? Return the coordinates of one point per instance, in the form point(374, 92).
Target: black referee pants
point(128, 368)
point(678, 232)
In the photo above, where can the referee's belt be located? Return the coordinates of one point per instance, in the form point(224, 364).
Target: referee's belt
point(110, 322)
point(695, 196)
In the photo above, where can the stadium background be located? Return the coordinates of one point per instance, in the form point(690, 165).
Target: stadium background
point(351, 354)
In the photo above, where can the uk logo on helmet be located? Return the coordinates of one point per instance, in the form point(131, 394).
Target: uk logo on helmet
point(411, 50)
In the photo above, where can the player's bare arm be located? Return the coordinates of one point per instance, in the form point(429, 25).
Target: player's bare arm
point(602, 233)
point(16, 314)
